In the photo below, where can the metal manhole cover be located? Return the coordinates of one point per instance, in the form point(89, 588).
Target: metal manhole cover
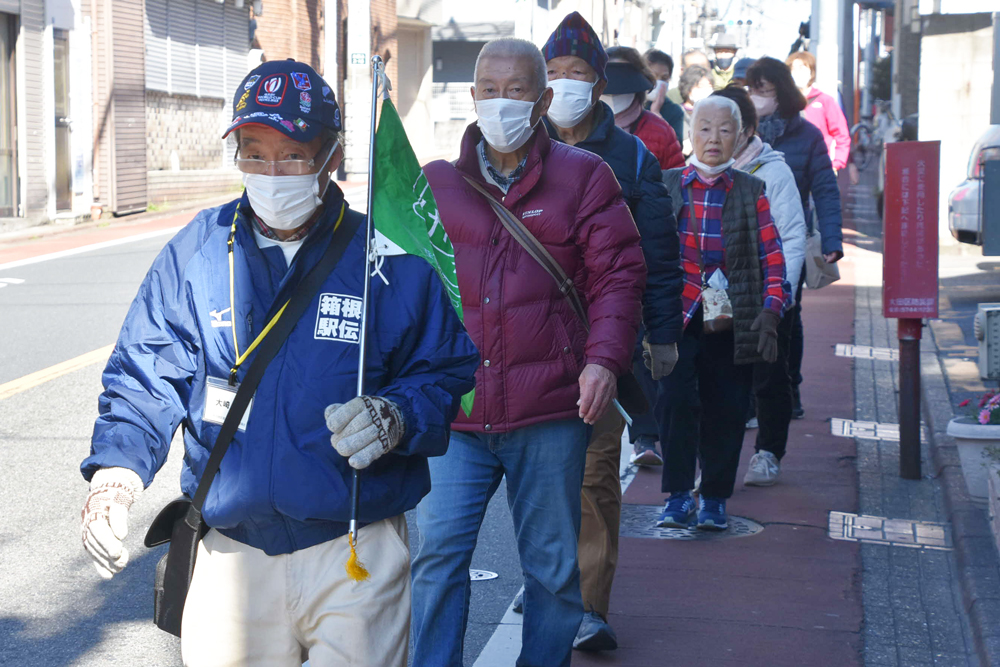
point(482, 575)
point(640, 521)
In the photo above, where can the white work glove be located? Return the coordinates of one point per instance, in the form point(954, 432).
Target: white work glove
point(659, 359)
point(364, 429)
point(105, 518)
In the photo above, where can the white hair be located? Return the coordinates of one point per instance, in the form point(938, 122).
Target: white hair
point(718, 102)
point(511, 47)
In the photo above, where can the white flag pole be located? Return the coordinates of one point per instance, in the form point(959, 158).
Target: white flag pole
point(377, 77)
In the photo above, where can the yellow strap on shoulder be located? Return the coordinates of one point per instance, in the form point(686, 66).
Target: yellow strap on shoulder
point(240, 358)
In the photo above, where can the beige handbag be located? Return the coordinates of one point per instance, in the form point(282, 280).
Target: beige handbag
point(717, 310)
point(819, 274)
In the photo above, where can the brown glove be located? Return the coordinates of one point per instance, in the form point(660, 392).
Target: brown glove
point(659, 359)
point(767, 324)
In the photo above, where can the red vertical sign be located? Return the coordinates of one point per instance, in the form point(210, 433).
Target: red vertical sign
point(910, 230)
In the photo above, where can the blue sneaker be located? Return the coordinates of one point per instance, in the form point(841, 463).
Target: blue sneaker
point(679, 511)
point(712, 514)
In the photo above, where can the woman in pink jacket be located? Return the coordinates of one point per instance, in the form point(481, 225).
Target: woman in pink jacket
point(822, 110)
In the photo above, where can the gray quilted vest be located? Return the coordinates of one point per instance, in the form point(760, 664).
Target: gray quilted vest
point(739, 231)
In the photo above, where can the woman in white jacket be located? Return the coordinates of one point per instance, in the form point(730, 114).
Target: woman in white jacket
point(772, 385)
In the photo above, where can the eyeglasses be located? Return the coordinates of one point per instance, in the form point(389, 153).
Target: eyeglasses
point(281, 167)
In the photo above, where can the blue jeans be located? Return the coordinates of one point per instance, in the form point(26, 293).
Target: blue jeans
point(544, 468)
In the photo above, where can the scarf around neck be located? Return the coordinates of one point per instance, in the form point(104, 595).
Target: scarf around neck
point(626, 118)
point(771, 128)
point(750, 153)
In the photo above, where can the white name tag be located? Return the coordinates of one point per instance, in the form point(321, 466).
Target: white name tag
point(219, 396)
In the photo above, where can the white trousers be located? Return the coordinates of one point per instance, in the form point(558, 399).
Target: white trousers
point(245, 608)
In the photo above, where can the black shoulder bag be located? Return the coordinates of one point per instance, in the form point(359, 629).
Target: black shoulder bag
point(180, 522)
point(629, 392)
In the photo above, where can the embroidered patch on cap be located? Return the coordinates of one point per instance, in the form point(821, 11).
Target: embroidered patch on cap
point(287, 125)
point(305, 102)
point(301, 124)
point(301, 81)
point(243, 101)
point(252, 80)
point(272, 91)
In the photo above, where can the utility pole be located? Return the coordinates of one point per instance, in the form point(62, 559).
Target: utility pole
point(358, 86)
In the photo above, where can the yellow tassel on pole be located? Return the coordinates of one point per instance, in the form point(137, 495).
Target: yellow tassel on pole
point(355, 568)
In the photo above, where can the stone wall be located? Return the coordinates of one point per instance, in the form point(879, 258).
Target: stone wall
point(191, 126)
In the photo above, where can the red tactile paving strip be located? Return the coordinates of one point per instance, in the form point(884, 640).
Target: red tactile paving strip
point(786, 596)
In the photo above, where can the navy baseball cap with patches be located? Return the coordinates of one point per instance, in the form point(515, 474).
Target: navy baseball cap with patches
point(287, 96)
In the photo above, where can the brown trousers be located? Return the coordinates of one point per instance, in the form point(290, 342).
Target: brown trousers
point(601, 516)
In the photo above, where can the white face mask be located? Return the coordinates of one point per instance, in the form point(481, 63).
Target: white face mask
point(571, 102)
point(286, 202)
point(660, 85)
point(618, 103)
point(711, 171)
point(505, 123)
point(698, 94)
point(801, 78)
point(765, 105)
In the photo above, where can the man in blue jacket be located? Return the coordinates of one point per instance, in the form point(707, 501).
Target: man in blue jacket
point(575, 60)
point(270, 585)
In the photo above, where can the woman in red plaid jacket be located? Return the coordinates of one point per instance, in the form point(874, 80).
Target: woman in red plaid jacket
point(730, 248)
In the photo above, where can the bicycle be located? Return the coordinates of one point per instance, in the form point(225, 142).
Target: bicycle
point(869, 137)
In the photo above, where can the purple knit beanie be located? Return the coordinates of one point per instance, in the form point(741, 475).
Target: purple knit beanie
point(575, 37)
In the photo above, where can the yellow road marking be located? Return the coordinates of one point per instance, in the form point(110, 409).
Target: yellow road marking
point(52, 372)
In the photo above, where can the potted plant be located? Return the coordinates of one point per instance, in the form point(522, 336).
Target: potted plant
point(974, 435)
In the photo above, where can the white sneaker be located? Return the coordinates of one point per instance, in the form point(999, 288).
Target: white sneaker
point(764, 469)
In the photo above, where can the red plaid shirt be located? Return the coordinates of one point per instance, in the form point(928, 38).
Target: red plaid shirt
point(708, 201)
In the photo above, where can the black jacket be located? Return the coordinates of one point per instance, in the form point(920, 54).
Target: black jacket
point(649, 201)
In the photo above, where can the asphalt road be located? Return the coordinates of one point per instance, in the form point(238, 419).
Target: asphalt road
point(54, 609)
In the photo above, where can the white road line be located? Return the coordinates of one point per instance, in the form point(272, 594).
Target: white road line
point(505, 645)
point(88, 248)
point(11, 281)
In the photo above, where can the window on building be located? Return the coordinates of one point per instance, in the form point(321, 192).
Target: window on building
point(196, 47)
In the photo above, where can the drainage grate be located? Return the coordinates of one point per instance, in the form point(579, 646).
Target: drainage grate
point(866, 352)
point(849, 428)
point(640, 521)
point(893, 532)
point(482, 575)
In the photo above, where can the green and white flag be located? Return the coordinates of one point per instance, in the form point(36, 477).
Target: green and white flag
point(404, 212)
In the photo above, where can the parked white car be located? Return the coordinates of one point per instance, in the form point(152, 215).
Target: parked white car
point(964, 204)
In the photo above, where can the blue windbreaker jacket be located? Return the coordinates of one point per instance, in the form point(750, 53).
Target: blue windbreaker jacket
point(281, 486)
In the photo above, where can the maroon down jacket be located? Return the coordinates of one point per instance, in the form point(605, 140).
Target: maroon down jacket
point(531, 344)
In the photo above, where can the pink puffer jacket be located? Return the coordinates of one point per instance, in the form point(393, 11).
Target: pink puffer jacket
point(532, 345)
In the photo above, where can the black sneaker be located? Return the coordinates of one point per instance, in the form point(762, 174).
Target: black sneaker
point(797, 411)
point(595, 634)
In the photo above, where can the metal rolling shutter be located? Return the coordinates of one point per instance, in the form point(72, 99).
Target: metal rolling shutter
point(156, 45)
point(196, 47)
point(210, 34)
point(128, 107)
point(181, 27)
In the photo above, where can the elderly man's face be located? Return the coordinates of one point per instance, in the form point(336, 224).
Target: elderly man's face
point(510, 77)
point(257, 142)
point(699, 59)
point(713, 133)
point(571, 67)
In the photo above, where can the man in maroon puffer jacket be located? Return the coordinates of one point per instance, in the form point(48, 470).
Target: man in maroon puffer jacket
point(543, 380)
